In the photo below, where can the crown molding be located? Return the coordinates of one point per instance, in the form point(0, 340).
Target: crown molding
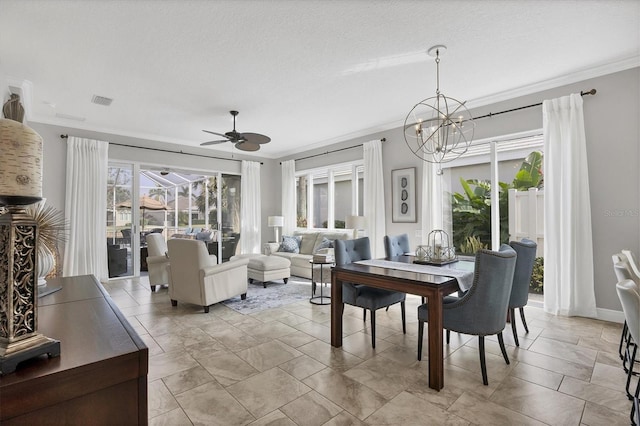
point(556, 82)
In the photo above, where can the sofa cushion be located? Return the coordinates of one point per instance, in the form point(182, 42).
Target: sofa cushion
point(308, 243)
point(290, 244)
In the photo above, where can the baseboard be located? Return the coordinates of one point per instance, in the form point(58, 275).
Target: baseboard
point(610, 315)
point(602, 314)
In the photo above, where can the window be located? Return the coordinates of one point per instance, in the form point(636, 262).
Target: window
point(468, 182)
point(334, 193)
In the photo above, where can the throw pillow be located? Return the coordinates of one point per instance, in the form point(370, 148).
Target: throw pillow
point(325, 243)
point(290, 244)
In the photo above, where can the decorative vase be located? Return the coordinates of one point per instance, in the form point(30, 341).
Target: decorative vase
point(45, 263)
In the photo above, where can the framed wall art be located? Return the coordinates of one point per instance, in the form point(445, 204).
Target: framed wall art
point(403, 195)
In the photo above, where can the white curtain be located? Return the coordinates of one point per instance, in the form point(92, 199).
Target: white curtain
point(289, 196)
point(568, 249)
point(86, 208)
point(432, 200)
point(374, 196)
point(250, 217)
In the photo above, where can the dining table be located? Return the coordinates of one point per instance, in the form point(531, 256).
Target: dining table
point(400, 273)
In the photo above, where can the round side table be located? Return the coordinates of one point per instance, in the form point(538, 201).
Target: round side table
point(322, 299)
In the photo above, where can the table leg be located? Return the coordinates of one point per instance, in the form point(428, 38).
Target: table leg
point(436, 357)
point(336, 312)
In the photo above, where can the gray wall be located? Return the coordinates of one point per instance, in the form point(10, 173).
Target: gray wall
point(613, 135)
point(612, 130)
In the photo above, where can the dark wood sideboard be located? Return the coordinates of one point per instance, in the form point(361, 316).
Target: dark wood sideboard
point(100, 377)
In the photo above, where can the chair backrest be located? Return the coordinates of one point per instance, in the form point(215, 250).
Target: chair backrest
point(633, 264)
point(187, 258)
point(630, 300)
point(349, 251)
point(526, 251)
point(622, 268)
point(396, 245)
point(156, 245)
point(484, 306)
point(126, 233)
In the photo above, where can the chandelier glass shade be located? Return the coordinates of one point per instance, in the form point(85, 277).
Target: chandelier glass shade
point(438, 129)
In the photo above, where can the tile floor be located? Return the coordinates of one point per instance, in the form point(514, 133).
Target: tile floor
point(277, 367)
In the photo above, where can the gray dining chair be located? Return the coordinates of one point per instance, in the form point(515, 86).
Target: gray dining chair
point(366, 297)
point(396, 245)
point(481, 311)
point(630, 299)
point(526, 251)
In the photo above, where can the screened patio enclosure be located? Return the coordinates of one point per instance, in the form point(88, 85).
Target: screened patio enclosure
point(185, 205)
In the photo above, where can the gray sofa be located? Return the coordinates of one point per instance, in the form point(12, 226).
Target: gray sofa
point(310, 241)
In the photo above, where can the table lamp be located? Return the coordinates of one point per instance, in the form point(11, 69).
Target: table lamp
point(357, 223)
point(20, 186)
point(276, 222)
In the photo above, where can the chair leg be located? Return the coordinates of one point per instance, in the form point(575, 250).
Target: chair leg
point(635, 407)
point(153, 288)
point(420, 334)
point(387, 308)
point(448, 336)
point(286, 280)
point(483, 364)
point(243, 296)
point(502, 348)
point(174, 302)
point(623, 337)
point(364, 315)
point(632, 359)
point(524, 321)
point(404, 318)
point(512, 314)
point(373, 329)
point(206, 309)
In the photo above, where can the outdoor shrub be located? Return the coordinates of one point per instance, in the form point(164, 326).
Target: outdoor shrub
point(537, 276)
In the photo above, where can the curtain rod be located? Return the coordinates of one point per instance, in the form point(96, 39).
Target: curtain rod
point(167, 150)
point(331, 152)
point(491, 114)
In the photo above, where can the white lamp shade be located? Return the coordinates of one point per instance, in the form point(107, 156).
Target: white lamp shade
point(275, 221)
point(355, 222)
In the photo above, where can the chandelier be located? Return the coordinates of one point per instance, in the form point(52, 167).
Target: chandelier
point(438, 129)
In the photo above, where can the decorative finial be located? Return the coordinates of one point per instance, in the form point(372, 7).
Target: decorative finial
point(13, 109)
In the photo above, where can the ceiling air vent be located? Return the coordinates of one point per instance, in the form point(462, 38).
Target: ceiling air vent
point(101, 100)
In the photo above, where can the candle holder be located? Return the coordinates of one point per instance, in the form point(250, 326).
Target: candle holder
point(438, 251)
point(19, 338)
point(20, 185)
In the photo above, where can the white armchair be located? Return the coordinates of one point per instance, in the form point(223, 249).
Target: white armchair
point(157, 260)
point(194, 276)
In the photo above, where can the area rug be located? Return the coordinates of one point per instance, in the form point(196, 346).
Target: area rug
point(275, 295)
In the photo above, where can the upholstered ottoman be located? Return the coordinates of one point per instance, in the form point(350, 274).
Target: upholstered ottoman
point(266, 268)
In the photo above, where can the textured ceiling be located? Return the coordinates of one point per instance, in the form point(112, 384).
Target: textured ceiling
point(306, 73)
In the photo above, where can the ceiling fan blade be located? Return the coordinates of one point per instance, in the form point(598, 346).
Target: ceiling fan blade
point(214, 133)
point(247, 146)
point(214, 142)
point(256, 138)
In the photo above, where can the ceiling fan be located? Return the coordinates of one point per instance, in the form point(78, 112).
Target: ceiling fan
point(242, 141)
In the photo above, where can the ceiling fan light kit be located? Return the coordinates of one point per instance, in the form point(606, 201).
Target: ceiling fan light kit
point(242, 141)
